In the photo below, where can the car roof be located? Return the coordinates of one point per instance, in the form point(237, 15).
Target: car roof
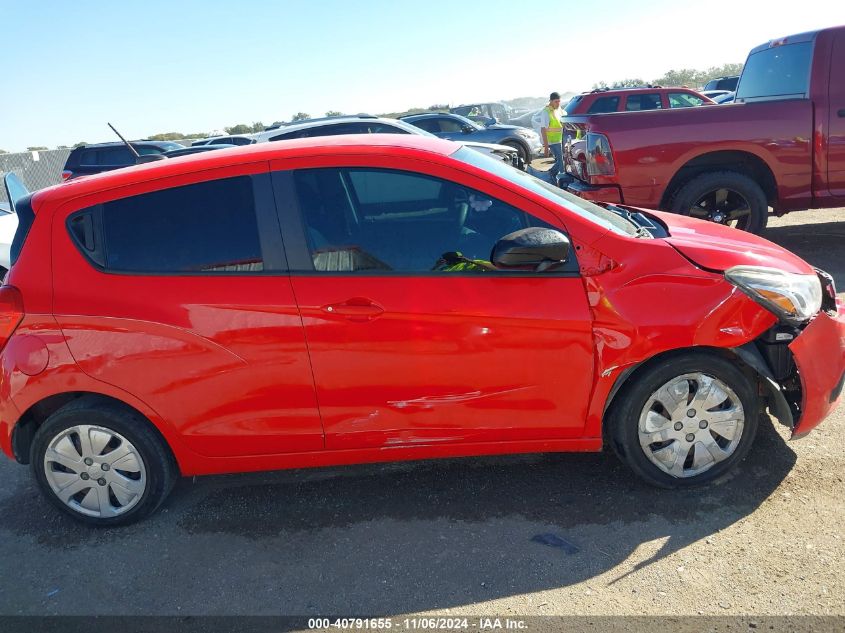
point(430, 115)
point(605, 91)
point(331, 120)
point(409, 144)
point(807, 36)
point(122, 144)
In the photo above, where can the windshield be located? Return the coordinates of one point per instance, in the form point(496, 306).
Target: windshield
point(411, 129)
point(777, 72)
point(573, 103)
point(587, 210)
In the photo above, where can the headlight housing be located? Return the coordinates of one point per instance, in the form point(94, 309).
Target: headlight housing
point(527, 134)
point(793, 298)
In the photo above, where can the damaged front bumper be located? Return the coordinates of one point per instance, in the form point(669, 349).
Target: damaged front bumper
point(802, 371)
point(819, 353)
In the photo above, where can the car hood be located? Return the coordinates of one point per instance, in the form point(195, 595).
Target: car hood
point(493, 147)
point(716, 247)
point(502, 126)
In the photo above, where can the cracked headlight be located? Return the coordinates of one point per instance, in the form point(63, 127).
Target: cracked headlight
point(793, 298)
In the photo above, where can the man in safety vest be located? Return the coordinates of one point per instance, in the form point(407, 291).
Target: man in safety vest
point(551, 132)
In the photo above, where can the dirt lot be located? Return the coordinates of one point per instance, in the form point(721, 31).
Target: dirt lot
point(461, 536)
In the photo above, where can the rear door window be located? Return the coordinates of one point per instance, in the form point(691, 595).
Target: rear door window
point(603, 105)
point(209, 227)
point(429, 125)
point(646, 101)
point(115, 156)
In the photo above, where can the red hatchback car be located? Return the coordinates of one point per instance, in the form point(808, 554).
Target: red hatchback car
point(359, 299)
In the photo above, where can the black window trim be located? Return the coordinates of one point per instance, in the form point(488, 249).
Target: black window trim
point(301, 263)
point(272, 246)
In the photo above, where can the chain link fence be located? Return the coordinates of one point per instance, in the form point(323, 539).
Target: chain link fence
point(35, 169)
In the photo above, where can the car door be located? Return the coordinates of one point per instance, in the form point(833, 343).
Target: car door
point(412, 339)
point(176, 291)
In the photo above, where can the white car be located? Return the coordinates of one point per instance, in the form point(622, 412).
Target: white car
point(8, 226)
point(368, 124)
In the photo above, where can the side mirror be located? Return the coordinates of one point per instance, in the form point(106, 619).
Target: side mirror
point(467, 129)
point(533, 248)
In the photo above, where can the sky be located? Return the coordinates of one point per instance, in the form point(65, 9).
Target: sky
point(197, 66)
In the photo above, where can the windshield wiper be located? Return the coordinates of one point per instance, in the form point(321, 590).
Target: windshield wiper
point(642, 230)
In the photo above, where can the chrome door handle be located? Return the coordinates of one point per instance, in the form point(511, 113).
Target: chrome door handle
point(355, 309)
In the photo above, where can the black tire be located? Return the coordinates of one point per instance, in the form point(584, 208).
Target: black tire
point(623, 419)
point(524, 157)
point(159, 466)
point(738, 186)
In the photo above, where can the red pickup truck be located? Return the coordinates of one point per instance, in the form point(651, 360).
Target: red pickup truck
point(780, 145)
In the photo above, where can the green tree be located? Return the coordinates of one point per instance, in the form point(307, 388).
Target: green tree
point(257, 126)
point(62, 147)
point(620, 83)
point(300, 116)
point(36, 148)
point(81, 144)
point(167, 136)
point(3, 151)
point(240, 128)
point(334, 113)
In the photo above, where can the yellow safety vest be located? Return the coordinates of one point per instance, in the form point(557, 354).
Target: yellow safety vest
point(554, 133)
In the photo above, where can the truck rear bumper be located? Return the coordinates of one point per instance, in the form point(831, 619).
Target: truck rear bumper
point(606, 193)
point(819, 353)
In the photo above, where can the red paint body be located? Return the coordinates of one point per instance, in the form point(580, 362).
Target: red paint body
point(800, 142)
point(254, 372)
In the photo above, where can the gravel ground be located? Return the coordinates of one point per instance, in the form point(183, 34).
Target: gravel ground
point(462, 536)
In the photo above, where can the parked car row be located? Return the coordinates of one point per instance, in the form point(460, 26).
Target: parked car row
point(516, 146)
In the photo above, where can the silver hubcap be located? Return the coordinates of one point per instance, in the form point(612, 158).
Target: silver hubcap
point(690, 424)
point(95, 471)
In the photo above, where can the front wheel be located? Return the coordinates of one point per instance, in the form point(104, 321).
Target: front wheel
point(522, 153)
point(102, 464)
point(685, 422)
point(724, 197)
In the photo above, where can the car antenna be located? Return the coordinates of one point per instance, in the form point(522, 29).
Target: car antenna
point(148, 158)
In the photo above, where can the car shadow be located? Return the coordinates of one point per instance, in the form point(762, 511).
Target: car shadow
point(823, 245)
point(431, 535)
point(402, 537)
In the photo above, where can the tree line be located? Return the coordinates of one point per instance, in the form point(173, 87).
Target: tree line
point(688, 77)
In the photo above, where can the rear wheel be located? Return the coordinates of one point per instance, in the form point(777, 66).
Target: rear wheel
point(101, 463)
point(724, 197)
point(685, 422)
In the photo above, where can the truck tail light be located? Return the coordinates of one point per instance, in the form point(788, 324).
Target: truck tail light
point(599, 156)
point(11, 313)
